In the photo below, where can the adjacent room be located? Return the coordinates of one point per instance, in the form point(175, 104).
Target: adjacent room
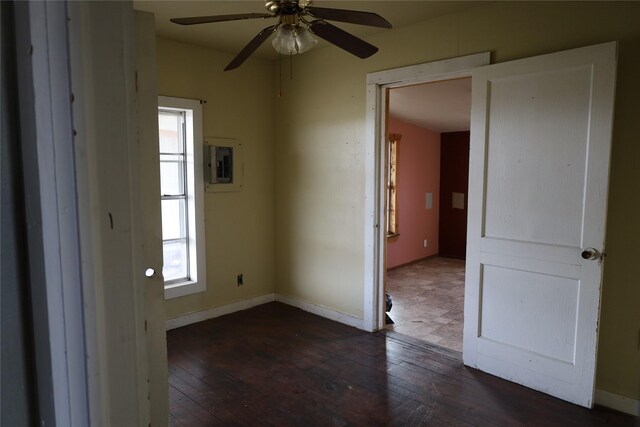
point(428, 170)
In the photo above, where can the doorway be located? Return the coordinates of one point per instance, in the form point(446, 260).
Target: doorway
point(375, 185)
point(536, 214)
point(427, 179)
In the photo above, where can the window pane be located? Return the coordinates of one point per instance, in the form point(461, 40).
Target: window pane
point(173, 219)
point(175, 260)
point(170, 128)
point(171, 178)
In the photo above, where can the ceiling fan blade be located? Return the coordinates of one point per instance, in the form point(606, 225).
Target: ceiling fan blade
point(250, 48)
point(342, 39)
point(350, 16)
point(218, 18)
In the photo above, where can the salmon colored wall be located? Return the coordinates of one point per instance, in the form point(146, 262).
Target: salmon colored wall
point(418, 173)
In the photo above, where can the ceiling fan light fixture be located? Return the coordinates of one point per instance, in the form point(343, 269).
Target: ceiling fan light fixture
point(304, 40)
point(291, 39)
point(284, 42)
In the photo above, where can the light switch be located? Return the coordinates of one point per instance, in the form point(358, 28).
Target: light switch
point(429, 200)
point(457, 200)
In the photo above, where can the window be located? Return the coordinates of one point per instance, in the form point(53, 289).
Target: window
point(181, 195)
point(392, 193)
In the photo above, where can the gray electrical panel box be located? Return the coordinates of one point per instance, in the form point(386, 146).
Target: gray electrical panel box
point(224, 164)
point(221, 166)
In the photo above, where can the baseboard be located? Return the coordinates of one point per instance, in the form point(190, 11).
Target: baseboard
point(617, 402)
point(319, 310)
point(415, 261)
point(322, 311)
point(199, 316)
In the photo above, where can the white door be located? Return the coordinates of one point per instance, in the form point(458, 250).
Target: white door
point(151, 222)
point(539, 167)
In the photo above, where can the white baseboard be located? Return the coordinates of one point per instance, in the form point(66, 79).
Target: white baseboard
point(322, 311)
point(617, 402)
point(319, 310)
point(199, 316)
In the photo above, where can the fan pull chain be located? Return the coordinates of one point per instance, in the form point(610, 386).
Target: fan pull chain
point(280, 74)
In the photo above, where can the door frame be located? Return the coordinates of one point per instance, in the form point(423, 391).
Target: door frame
point(63, 350)
point(375, 131)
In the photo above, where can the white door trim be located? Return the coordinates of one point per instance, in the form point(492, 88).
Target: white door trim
point(50, 189)
point(374, 221)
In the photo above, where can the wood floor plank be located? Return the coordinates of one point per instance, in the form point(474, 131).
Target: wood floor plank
point(275, 365)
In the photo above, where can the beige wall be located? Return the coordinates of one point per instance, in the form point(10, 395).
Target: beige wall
point(320, 162)
point(239, 226)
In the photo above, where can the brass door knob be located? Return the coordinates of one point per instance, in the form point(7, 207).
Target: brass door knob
point(590, 253)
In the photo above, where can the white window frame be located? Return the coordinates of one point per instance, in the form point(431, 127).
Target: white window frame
point(392, 184)
point(197, 281)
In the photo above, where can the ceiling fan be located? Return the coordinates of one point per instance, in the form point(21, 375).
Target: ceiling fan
point(294, 29)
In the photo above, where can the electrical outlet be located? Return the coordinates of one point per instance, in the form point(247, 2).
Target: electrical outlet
point(240, 280)
point(424, 243)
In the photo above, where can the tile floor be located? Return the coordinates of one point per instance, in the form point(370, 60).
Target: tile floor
point(428, 301)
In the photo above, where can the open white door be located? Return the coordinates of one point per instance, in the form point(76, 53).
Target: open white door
point(539, 167)
point(151, 224)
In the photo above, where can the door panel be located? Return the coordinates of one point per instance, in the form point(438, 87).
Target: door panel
point(535, 210)
point(512, 301)
point(540, 144)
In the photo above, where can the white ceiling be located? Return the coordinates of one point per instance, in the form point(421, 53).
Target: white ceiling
point(443, 107)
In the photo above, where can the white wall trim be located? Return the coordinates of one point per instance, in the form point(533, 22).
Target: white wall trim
point(199, 316)
point(321, 311)
point(374, 218)
point(316, 309)
point(192, 108)
point(618, 402)
point(53, 212)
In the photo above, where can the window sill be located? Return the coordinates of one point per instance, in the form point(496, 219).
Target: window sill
point(181, 289)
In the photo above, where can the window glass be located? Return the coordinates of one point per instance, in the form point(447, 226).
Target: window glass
point(173, 219)
point(172, 178)
point(175, 260)
point(173, 195)
point(170, 132)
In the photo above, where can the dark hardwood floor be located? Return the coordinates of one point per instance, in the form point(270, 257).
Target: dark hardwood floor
point(275, 365)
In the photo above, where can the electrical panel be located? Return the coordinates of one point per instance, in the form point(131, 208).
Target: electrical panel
point(221, 171)
point(224, 167)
